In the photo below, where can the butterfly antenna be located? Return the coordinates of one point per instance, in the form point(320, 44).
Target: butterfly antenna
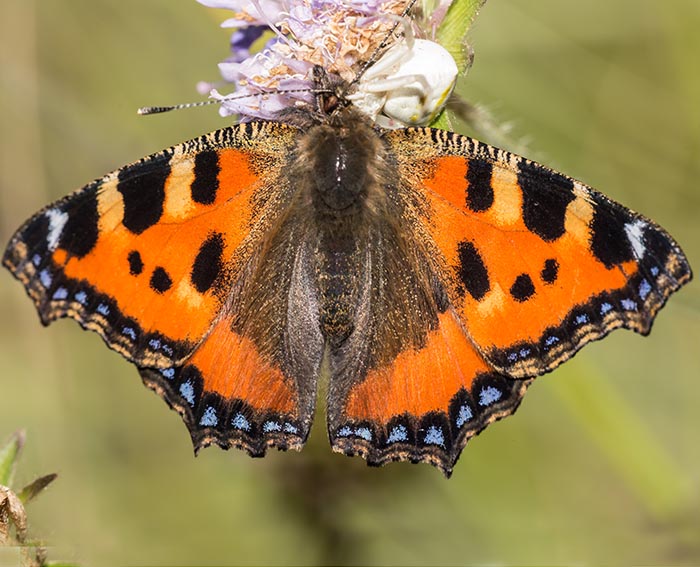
point(146, 110)
point(380, 49)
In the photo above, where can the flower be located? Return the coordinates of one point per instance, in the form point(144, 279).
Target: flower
point(339, 35)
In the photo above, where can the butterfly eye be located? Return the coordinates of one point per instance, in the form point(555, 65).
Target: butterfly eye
point(408, 86)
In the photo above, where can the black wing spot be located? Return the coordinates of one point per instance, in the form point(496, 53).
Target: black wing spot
point(160, 280)
point(479, 190)
point(135, 263)
point(206, 177)
point(472, 270)
point(546, 195)
point(80, 232)
point(523, 288)
point(609, 240)
point(143, 189)
point(550, 272)
point(208, 264)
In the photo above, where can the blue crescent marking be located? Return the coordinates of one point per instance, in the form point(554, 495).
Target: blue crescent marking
point(209, 418)
point(270, 426)
point(465, 414)
point(489, 395)
point(644, 289)
point(187, 392)
point(60, 293)
point(434, 436)
point(605, 307)
point(398, 433)
point(239, 421)
point(45, 278)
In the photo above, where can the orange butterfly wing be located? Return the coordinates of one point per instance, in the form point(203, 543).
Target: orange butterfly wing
point(532, 266)
point(153, 258)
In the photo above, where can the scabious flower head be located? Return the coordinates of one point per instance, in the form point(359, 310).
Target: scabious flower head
point(339, 35)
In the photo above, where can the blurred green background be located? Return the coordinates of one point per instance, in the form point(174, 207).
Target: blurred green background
point(601, 465)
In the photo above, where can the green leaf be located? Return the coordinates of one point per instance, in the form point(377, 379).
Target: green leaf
point(452, 33)
point(8, 456)
point(30, 491)
point(442, 121)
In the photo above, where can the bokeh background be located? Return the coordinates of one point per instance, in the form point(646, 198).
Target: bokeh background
point(601, 464)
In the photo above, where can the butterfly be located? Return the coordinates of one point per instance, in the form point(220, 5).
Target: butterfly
point(427, 276)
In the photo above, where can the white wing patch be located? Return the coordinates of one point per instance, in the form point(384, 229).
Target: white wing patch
point(57, 221)
point(635, 234)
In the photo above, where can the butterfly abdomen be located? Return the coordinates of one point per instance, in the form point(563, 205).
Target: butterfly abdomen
point(336, 260)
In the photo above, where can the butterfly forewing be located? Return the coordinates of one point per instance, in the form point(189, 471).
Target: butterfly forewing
point(536, 263)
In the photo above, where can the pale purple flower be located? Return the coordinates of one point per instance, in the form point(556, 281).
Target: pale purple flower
point(247, 13)
point(336, 34)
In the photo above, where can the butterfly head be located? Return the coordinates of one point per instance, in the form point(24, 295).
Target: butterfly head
point(330, 100)
point(408, 85)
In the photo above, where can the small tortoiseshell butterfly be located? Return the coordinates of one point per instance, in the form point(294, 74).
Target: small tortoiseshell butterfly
point(429, 275)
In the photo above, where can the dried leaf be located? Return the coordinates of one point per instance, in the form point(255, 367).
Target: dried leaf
point(11, 512)
point(30, 491)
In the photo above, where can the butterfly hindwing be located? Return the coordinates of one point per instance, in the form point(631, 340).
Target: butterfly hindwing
point(424, 405)
point(162, 259)
point(252, 382)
